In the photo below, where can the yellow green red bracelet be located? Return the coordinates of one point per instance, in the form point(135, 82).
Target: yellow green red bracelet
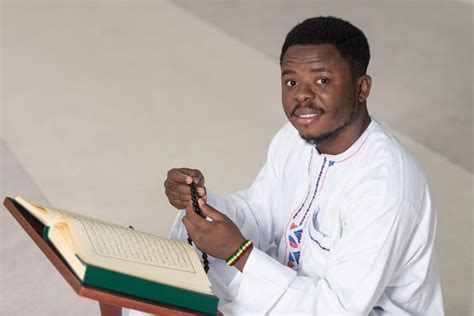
point(239, 252)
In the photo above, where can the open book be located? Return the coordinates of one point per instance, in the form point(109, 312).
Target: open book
point(125, 260)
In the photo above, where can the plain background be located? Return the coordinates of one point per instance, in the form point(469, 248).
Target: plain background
point(100, 98)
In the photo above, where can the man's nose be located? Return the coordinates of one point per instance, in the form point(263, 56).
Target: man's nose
point(304, 93)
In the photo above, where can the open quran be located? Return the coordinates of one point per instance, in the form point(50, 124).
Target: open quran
point(122, 259)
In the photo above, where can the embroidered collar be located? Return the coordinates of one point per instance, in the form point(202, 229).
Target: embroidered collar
point(351, 151)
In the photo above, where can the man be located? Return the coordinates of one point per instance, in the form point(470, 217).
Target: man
point(340, 215)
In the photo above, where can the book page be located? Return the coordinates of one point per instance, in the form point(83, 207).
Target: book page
point(113, 241)
point(136, 253)
point(43, 214)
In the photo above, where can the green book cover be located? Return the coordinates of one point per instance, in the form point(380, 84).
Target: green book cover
point(146, 289)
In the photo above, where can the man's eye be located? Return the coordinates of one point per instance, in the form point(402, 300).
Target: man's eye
point(322, 81)
point(291, 83)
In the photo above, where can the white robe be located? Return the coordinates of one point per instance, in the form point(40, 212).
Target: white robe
point(362, 228)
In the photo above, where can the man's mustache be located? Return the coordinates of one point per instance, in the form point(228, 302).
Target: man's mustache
point(307, 106)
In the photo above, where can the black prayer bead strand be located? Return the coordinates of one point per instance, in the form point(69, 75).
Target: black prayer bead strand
point(198, 211)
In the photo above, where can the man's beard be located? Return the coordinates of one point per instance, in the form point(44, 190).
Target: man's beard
point(315, 140)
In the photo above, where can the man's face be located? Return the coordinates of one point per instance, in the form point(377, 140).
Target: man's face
point(318, 91)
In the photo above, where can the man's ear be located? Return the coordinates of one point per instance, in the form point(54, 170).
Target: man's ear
point(363, 87)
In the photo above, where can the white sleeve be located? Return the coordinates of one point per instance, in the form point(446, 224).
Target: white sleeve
point(358, 269)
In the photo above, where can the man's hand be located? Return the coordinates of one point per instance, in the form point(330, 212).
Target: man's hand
point(177, 187)
point(219, 238)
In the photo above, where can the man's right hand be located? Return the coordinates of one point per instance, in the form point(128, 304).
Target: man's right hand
point(177, 186)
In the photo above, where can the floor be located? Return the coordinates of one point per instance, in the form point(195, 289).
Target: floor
point(100, 98)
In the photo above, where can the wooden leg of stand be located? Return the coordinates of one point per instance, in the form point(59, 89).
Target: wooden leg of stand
point(110, 310)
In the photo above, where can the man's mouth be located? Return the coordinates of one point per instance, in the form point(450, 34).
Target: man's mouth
point(306, 116)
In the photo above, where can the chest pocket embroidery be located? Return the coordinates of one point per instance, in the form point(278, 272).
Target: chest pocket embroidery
point(324, 242)
point(317, 248)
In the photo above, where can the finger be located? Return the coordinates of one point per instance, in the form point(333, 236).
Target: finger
point(180, 176)
point(190, 228)
point(178, 201)
point(183, 189)
point(201, 191)
point(174, 195)
point(198, 220)
point(196, 175)
point(189, 208)
point(210, 211)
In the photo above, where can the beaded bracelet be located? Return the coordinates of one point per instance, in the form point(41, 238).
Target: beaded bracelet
point(239, 252)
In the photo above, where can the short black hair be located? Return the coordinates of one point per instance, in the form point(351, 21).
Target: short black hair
point(348, 39)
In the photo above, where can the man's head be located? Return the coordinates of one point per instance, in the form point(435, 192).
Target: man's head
point(324, 82)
